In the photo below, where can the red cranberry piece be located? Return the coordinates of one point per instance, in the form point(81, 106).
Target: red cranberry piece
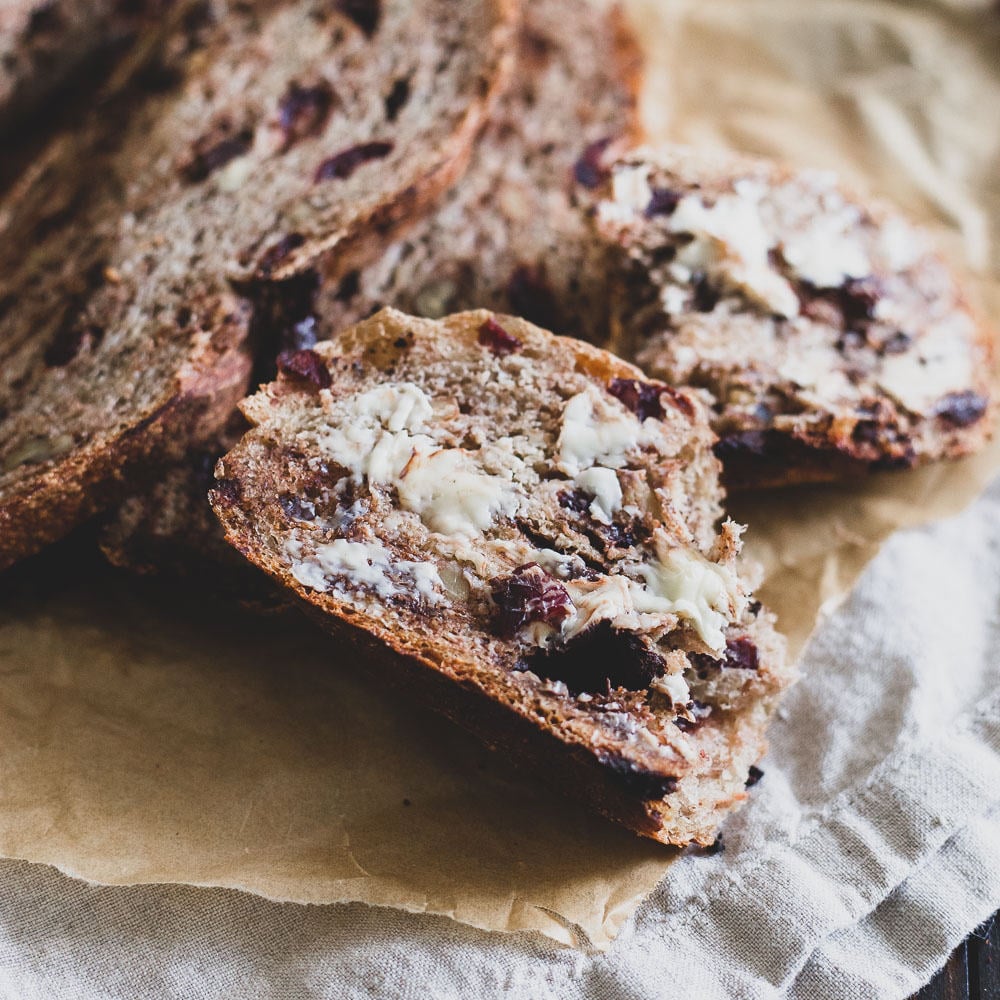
point(754, 775)
point(69, 341)
point(276, 253)
point(530, 296)
point(642, 398)
point(497, 339)
point(529, 594)
point(364, 13)
point(227, 492)
point(306, 366)
point(741, 654)
point(578, 501)
point(662, 202)
point(962, 409)
point(589, 169)
point(343, 164)
point(303, 111)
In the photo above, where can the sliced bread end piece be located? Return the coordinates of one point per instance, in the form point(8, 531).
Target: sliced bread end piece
point(524, 530)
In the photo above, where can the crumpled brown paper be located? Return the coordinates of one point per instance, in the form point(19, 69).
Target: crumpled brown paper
point(146, 737)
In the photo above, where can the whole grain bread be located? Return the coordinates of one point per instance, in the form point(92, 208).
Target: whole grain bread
point(832, 336)
point(523, 530)
point(274, 136)
point(506, 235)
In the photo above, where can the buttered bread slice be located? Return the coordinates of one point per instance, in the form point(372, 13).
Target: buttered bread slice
point(525, 531)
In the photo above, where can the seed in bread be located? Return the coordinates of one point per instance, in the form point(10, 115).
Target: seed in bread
point(525, 530)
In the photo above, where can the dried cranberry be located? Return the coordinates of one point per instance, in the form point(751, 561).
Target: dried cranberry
point(662, 202)
point(69, 341)
point(645, 399)
point(578, 501)
point(276, 253)
point(306, 366)
point(529, 594)
point(364, 13)
point(642, 398)
point(343, 164)
point(497, 339)
point(741, 654)
point(589, 169)
point(215, 149)
point(227, 492)
point(297, 508)
point(303, 111)
point(961, 409)
point(530, 296)
point(754, 775)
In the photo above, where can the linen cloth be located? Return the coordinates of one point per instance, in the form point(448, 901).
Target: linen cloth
point(868, 851)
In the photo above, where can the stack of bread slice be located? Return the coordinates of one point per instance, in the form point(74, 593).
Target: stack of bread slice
point(386, 211)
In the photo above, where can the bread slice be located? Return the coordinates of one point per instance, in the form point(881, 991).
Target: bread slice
point(832, 336)
point(506, 222)
point(276, 135)
point(508, 236)
point(523, 530)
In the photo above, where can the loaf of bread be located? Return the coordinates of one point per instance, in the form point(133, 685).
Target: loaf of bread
point(276, 137)
point(525, 531)
point(831, 335)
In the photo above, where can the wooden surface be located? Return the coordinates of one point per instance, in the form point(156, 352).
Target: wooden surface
point(973, 971)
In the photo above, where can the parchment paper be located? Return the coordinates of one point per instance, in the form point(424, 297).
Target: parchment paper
point(147, 736)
